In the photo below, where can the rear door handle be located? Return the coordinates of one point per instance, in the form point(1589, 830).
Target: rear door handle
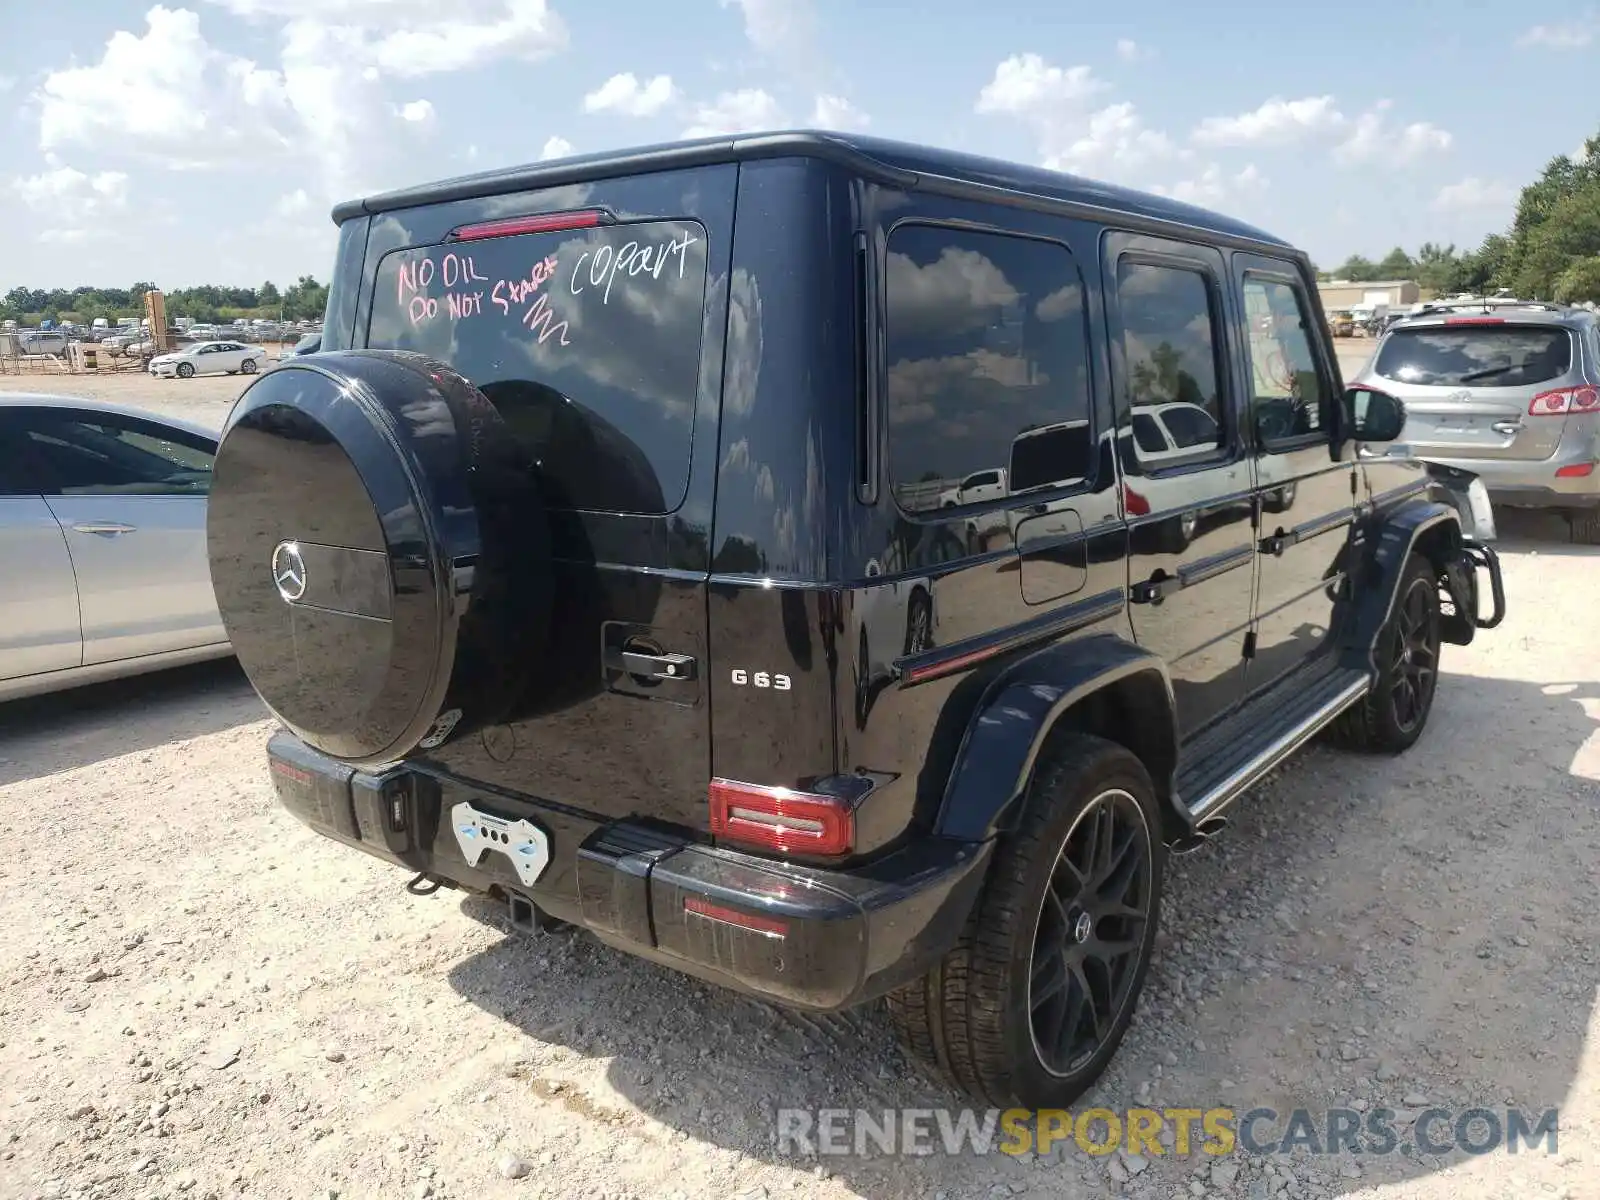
point(1155, 589)
point(653, 666)
point(107, 528)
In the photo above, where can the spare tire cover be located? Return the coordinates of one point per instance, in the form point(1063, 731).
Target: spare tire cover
point(379, 552)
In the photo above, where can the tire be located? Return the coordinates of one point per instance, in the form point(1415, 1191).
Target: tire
point(1583, 526)
point(977, 1016)
point(248, 366)
point(919, 623)
point(1280, 500)
point(1178, 532)
point(185, 370)
point(1394, 713)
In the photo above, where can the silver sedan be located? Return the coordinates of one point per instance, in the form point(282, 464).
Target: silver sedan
point(103, 567)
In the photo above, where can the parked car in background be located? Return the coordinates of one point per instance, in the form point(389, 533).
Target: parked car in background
point(988, 484)
point(1508, 393)
point(103, 568)
point(209, 358)
point(43, 341)
point(310, 344)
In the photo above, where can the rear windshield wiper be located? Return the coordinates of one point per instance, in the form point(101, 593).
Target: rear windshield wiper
point(1490, 372)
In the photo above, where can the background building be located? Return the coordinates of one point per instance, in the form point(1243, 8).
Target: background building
point(1344, 293)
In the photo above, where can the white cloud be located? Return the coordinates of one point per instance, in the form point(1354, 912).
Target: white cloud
point(626, 95)
point(776, 25)
point(1129, 50)
point(1115, 141)
point(1369, 137)
point(155, 88)
point(1111, 142)
point(422, 37)
point(168, 95)
point(554, 147)
point(68, 194)
point(1573, 35)
point(1024, 85)
point(1214, 186)
point(835, 112)
point(1372, 140)
point(1276, 122)
point(1473, 194)
point(71, 198)
point(743, 111)
point(293, 204)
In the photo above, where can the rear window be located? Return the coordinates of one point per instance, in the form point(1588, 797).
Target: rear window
point(1485, 355)
point(586, 340)
point(1051, 456)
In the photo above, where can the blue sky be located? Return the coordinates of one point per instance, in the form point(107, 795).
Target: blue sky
point(205, 140)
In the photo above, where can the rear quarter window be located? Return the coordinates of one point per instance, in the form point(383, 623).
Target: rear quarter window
point(1476, 355)
point(587, 341)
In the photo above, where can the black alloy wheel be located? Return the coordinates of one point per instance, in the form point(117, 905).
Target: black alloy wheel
point(1089, 933)
point(1414, 668)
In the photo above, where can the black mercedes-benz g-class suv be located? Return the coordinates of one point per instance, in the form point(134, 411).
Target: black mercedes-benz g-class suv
point(604, 561)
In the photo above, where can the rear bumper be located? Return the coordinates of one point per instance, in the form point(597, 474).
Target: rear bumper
point(1522, 484)
point(800, 936)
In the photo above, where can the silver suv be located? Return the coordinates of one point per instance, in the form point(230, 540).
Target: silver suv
point(1510, 393)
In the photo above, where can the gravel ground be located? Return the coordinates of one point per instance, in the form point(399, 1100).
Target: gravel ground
point(200, 998)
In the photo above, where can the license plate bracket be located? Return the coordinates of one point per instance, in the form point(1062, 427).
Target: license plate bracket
point(521, 841)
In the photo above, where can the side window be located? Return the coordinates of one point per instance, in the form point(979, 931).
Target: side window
point(97, 455)
point(16, 479)
point(1288, 399)
point(987, 364)
point(1170, 341)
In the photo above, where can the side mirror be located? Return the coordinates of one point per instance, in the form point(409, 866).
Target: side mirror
point(1374, 416)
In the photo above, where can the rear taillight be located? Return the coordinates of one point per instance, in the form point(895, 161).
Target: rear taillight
point(1136, 504)
point(1575, 471)
point(538, 223)
point(781, 819)
point(1474, 320)
point(1561, 401)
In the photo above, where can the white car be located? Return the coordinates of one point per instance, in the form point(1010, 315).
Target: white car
point(209, 358)
point(975, 488)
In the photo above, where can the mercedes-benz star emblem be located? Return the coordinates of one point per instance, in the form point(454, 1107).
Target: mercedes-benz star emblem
point(289, 571)
point(1082, 928)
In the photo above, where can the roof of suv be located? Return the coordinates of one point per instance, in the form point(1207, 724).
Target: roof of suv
point(1507, 314)
point(900, 163)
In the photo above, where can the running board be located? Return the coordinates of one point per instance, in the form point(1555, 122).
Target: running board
point(1233, 756)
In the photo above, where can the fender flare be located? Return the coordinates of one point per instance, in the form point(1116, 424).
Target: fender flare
point(995, 761)
point(1394, 537)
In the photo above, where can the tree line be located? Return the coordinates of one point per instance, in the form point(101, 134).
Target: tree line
point(306, 299)
point(1551, 251)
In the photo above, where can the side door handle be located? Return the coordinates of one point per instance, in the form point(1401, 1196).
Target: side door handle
point(1155, 589)
point(652, 666)
point(1277, 543)
point(105, 528)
